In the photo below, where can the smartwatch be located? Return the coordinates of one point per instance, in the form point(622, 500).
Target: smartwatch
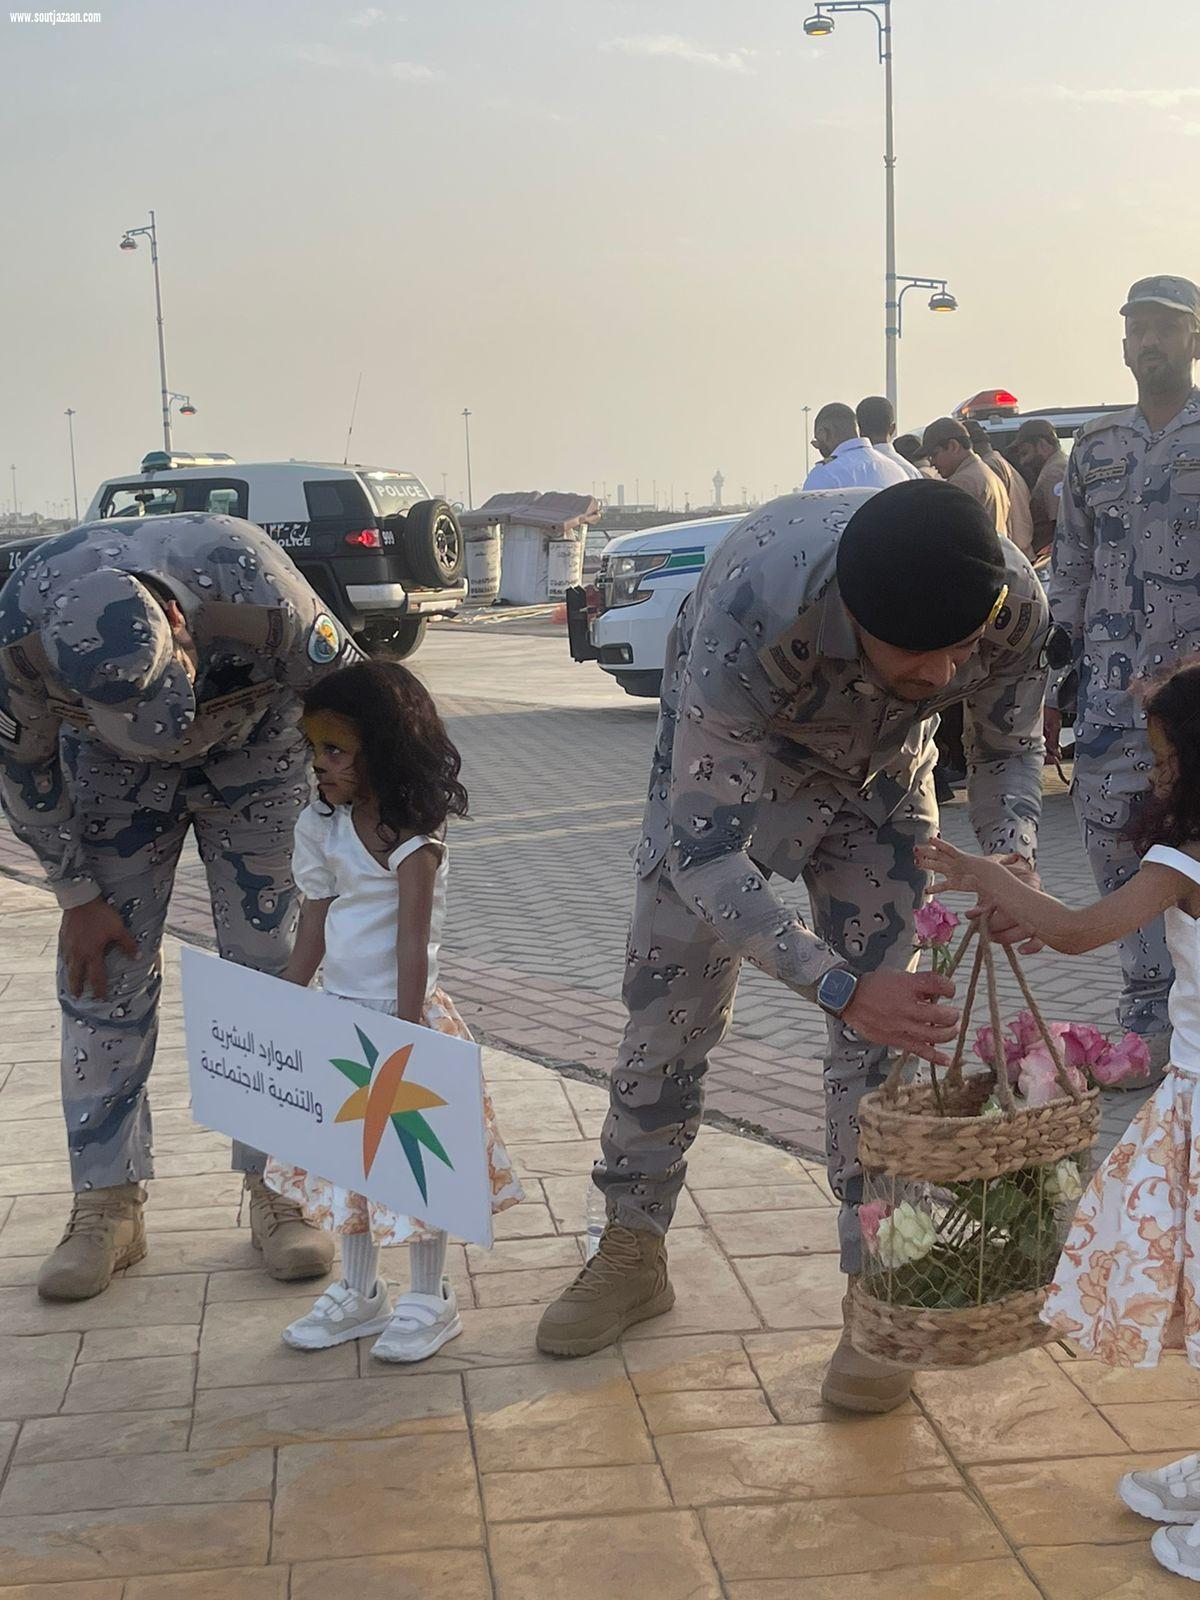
point(836, 990)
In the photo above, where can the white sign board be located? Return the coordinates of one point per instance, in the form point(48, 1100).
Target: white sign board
point(376, 1105)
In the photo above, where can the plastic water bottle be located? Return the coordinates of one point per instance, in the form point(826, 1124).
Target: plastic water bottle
point(597, 1216)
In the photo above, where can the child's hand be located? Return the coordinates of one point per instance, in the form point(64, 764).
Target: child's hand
point(959, 871)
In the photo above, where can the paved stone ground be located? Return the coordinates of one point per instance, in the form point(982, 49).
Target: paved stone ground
point(160, 1443)
point(556, 759)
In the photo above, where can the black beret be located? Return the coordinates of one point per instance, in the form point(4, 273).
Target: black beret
point(920, 565)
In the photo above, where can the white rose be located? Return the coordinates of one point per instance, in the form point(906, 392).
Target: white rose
point(907, 1235)
point(1063, 1184)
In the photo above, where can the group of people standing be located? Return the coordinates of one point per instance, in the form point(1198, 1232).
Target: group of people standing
point(160, 675)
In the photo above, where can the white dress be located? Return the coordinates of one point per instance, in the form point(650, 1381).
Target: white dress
point(1128, 1282)
point(330, 862)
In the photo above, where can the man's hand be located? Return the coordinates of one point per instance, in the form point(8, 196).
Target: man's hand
point(901, 1009)
point(86, 936)
point(1052, 730)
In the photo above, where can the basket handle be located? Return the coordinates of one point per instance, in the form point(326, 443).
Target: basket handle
point(984, 961)
point(892, 1082)
point(1048, 1038)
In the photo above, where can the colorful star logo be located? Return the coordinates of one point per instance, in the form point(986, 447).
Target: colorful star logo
point(391, 1098)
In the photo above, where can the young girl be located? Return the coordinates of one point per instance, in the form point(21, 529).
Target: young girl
point(1128, 1281)
point(370, 860)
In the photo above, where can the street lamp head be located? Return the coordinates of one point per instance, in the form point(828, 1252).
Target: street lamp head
point(128, 242)
point(943, 300)
point(819, 26)
point(187, 409)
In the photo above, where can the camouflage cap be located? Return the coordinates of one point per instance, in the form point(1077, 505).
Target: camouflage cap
point(1181, 294)
point(111, 644)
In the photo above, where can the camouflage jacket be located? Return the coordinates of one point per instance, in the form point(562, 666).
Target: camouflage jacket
point(768, 706)
point(1126, 577)
point(262, 636)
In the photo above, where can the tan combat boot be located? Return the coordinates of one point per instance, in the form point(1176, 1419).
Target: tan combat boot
point(624, 1282)
point(292, 1246)
point(854, 1382)
point(106, 1232)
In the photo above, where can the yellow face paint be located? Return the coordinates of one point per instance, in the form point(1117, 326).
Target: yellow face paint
point(330, 728)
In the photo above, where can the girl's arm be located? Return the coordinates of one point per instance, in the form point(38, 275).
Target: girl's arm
point(309, 950)
point(415, 879)
point(1148, 893)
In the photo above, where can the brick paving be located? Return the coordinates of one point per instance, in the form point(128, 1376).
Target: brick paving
point(160, 1443)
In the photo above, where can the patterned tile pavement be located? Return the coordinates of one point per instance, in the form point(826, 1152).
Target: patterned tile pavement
point(556, 760)
point(160, 1443)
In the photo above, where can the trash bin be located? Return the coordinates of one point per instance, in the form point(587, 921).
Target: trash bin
point(564, 564)
point(483, 564)
point(524, 579)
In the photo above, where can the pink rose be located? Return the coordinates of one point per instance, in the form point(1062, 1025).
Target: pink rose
point(1038, 1080)
point(1026, 1031)
point(985, 1049)
point(1082, 1044)
point(870, 1216)
point(935, 923)
point(1128, 1058)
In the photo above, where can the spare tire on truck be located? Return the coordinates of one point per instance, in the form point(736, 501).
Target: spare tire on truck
point(433, 544)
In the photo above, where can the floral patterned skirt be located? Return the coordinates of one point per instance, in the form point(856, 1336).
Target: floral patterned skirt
point(343, 1211)
point(1127, 1281)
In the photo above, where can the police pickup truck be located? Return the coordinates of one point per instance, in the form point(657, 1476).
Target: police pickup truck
point(381, 551)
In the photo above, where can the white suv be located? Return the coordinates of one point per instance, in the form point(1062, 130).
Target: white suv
point(623, 620)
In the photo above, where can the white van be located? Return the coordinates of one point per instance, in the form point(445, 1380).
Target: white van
point(623, 618)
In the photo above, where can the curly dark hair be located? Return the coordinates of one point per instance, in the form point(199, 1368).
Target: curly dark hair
point(1174, 819)
point(408, 760)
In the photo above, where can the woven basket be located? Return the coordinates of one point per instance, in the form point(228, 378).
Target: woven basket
point(995, 1182)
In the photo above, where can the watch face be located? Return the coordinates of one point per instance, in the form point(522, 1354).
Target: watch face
point(836, 989)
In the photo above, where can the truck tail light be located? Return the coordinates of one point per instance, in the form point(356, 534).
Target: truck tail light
point(366, 539)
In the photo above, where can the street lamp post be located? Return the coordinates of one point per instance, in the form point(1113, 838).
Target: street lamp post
point(804, 411)
point(129, 242)
point(467, 434)
point(16, 507)
point(70, 415)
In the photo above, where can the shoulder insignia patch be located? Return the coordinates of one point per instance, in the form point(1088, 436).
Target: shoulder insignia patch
point(324, 640)
point(10, 728)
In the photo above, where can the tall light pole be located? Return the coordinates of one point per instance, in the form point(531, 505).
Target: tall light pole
point(70, 416)
point(13, 470)
point(819, 26)
point(467, 434)
point(129, 242)
point(804, 411)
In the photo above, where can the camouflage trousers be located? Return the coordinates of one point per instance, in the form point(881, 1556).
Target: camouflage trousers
point(680, 983)
point(1103, 791)
point(108, 1045)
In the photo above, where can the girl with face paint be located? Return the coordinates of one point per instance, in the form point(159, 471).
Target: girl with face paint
point(370, 859)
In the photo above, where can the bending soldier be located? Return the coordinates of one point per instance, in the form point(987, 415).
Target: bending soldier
point(150, 670)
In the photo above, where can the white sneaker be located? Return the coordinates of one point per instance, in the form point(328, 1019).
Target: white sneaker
point(340, 1314)
point(1178, 1549)
point(1168, 1494)
point(421, 1324)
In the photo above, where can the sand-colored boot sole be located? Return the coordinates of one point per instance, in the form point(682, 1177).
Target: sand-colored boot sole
point(57, 1284)
point(866, 1396)
point(553, 1343)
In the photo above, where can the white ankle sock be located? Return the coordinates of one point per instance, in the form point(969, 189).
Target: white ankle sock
point(428, 1264)
point(360, 1262)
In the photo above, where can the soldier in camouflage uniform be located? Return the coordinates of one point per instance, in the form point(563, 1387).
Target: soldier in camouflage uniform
point(150, 673)
point(1126, 589)
point(792, 740)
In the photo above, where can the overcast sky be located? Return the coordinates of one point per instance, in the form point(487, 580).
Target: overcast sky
point(633, 236)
